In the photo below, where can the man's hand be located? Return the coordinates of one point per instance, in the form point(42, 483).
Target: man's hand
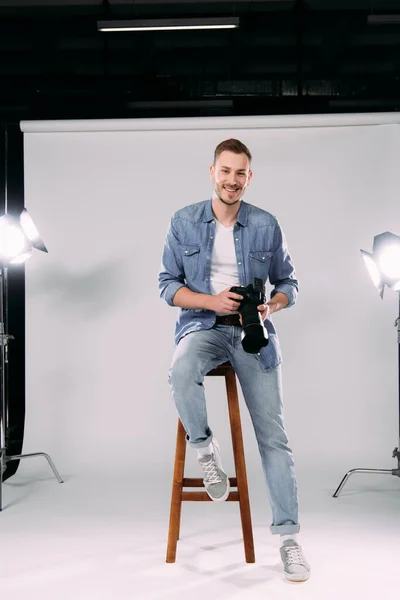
point(265, 311)
point(279, 301)
point(225, 302)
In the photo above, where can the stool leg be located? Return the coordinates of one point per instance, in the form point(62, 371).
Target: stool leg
point(240, 465)
point(176, 497)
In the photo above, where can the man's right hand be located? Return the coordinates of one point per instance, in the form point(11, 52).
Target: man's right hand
point(225, 302)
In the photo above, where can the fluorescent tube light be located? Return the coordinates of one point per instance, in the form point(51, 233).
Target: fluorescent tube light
point(168, 24)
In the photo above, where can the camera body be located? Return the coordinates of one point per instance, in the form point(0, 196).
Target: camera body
point(253, 294)
point(254, 334)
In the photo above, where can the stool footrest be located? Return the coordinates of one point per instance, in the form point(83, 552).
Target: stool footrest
point(198, 482)
point(204, 497)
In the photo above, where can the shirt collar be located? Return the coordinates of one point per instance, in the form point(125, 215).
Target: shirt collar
point(241, 216)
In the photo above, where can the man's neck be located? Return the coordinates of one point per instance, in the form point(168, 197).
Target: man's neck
point(225, 214)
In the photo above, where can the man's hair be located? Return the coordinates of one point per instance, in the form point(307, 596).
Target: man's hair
point(232, 145)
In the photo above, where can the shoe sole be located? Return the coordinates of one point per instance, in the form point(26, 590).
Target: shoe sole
point(298, 578)
point(224, 497)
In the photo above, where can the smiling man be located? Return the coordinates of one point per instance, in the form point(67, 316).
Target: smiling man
point(210, 247)
point(231, 175)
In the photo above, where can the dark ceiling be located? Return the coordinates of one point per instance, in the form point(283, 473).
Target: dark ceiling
point(286, 57)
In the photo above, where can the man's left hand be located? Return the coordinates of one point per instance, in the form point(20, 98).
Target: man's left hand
point(265, 310)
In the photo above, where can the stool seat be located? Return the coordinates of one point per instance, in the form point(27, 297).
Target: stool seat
point(221, 369)
point(240, 481)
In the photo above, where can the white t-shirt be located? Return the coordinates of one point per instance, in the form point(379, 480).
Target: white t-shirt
point(224, 271)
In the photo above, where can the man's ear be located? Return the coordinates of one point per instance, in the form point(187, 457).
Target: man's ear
point(212, 171)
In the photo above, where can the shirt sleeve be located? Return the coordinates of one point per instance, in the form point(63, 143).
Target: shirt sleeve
point(282, 273)
point(171, 276)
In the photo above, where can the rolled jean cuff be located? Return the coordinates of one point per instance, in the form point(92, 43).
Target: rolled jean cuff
point(202, 444)
point(285, 529)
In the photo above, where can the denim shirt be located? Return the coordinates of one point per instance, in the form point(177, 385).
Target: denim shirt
point(261, 251)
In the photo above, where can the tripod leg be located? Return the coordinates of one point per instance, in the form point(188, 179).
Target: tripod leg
point(46, 456)
point(352, 471)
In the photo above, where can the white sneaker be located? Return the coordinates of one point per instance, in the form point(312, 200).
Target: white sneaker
point(295, 566)
point(215, 479)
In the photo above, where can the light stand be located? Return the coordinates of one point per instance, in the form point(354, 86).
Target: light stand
point(4, 457)
point(27, 234)
point(396, 451)
point(380, 278)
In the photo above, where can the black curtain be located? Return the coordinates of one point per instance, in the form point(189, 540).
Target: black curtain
point(15, 324)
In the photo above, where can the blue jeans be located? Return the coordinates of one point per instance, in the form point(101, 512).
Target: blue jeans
point(198, 353)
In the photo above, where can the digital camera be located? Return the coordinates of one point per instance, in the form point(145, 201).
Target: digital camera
point(254, 334)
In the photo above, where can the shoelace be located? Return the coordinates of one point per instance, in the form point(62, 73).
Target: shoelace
point(211, 473)
point(294, 555)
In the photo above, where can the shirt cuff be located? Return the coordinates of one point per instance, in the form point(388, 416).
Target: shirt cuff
point(171, 290)
point(286, 289)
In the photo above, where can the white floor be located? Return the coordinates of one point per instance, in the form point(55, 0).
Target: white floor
point(105, 538)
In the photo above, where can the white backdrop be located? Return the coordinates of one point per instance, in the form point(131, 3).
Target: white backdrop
point(100, 340)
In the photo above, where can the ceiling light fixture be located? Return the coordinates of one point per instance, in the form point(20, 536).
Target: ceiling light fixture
point(168, 24)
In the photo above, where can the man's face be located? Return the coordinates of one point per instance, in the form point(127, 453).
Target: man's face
point(230, 175)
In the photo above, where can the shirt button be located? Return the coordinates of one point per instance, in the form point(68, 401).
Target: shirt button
point(211, 237)
point(208, 257)
point(239, 263)
point(236, 239)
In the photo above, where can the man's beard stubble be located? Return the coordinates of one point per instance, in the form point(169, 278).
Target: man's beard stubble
point(229, 203)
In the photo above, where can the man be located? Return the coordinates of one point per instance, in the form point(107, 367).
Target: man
point(210, 247)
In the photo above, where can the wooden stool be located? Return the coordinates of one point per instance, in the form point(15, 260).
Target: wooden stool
point(239, 482)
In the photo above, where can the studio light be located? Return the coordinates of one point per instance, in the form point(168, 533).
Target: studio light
point(31, 231)
point(168, 24)
point(13, 241)
point(18, 237)
point(383, 265)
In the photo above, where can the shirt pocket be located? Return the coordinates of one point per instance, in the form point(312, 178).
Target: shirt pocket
point(259, 263)
point(191, 257)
